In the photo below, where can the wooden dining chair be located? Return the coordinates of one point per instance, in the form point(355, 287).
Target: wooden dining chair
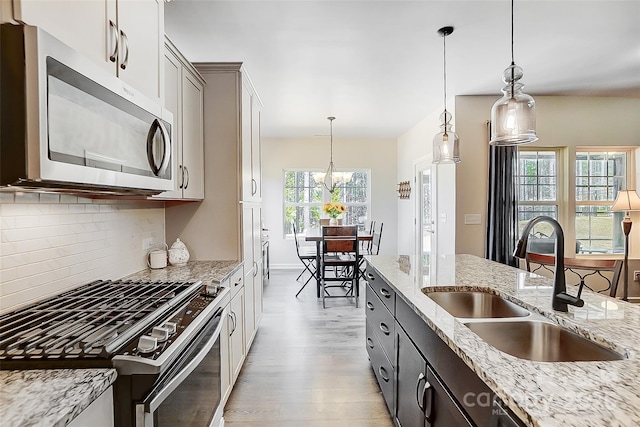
point(339, 262)
point(307, 255)
point(579, 271)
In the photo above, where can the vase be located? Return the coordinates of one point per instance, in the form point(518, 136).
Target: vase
point(333, 221)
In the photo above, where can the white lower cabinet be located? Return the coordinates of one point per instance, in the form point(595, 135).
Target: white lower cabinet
point(236, 333)
point(98, 414)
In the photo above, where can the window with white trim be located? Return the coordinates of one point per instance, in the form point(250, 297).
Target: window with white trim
point(537, 181)
point(599, 176)
point(304, 197)
point(599, 173)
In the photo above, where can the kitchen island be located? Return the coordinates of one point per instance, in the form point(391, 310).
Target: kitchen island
point(546, 394)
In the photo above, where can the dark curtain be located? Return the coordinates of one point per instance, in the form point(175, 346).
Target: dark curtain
point(502, 216)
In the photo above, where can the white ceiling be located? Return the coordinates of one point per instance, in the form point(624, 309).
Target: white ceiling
point(377, 65)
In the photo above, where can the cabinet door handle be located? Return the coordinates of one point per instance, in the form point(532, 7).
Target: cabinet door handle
point(255, 268)
point(383, 374)
point(186, 170)
point(420, 396)
point(384, 328)
point(254, 187)
point(370, 276)
point(233, 322)
point(181, 177)
point(385, 293)
point(370, 343)
point(114, 41)
point(370, 306)
point(428, 406)
point(125, 44)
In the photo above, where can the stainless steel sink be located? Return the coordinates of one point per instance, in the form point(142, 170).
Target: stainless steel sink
point(540, 341)
point(475, 304)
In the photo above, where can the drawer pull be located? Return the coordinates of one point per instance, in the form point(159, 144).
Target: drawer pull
point(420, 396)
point(383, 374)
point(370, 342)
point(370, 276)
point(370, 306)
point(385, 293)
point(384, 328)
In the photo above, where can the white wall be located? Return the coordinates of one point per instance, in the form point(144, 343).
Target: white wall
point(413, 146)
point(378, 155)
point(50, 243)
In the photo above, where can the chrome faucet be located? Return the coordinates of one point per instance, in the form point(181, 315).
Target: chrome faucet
point(560, 297)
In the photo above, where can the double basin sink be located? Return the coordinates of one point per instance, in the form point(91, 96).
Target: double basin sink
point(518, 336)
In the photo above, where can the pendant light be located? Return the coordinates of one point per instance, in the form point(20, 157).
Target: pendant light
point(331, 179)
point(513, 117)
point(445, 144)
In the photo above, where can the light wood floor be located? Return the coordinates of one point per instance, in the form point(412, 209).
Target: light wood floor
point(308, 366)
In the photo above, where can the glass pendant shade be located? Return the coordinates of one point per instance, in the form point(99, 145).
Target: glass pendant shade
point(513, 117)
point(446, 144)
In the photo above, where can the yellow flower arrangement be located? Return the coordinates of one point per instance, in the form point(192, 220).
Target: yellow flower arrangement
point(334, 209)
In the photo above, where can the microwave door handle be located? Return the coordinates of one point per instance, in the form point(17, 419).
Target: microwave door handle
point(166, 148)
point(152, 405)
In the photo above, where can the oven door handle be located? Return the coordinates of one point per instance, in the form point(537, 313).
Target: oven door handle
point(155, 399)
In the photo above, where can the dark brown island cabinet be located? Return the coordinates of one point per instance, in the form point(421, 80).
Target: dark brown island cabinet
point(423, 382)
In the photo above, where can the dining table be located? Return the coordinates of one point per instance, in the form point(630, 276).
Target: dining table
point(315, 235)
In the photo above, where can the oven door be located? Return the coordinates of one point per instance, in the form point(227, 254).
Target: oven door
point(189, 394)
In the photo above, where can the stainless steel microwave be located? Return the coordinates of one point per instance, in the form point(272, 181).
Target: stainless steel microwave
point(68, 125)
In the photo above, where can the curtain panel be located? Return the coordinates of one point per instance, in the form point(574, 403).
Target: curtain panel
point(502, 215)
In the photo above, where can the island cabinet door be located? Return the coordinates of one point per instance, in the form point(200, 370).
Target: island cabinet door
point(411, 378)
point(422, 400)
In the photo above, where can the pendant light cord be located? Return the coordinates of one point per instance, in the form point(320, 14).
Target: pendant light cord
point(512, 60)
point(444, 68)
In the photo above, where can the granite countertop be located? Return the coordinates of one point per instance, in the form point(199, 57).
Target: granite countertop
point(54, 397)
point(210, 272)
point(543, 394)
point(49, 397)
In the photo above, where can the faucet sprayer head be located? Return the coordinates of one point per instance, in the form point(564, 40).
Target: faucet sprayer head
point(521, 248)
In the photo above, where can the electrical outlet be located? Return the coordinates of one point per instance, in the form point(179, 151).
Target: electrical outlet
point(636, 276)
point(148, 243)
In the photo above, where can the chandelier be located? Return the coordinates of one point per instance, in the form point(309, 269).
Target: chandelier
point(331, 179)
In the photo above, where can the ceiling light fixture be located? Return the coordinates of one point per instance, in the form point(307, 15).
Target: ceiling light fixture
point(446, 143)
point(332, 179)
point(513, 117)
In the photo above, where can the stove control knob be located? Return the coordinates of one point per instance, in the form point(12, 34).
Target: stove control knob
point(160, 333)
point(147, 344)
point(172, 327)
point(212, 290)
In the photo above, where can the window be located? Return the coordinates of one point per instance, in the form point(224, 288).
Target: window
point(537, 180)
point(599, 176)
point(587, 219)
point(303, 200)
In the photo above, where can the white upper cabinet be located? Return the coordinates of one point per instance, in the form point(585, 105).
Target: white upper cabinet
point(125, 37)
point(251, 154)
point(183, 96)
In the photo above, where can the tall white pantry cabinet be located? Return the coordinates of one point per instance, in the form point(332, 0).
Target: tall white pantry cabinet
point(227, 223)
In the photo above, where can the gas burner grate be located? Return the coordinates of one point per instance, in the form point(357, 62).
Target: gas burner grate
point(89, 322)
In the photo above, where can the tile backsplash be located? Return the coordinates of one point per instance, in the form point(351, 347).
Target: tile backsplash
point(50, 243)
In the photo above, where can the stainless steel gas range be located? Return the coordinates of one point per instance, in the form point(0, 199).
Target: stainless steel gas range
point(163, 338)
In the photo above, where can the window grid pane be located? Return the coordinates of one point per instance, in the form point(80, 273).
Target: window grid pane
point(303, 200)
point(599, 176)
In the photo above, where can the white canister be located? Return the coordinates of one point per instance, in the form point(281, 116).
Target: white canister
point(157, 258)
point(178, 254)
